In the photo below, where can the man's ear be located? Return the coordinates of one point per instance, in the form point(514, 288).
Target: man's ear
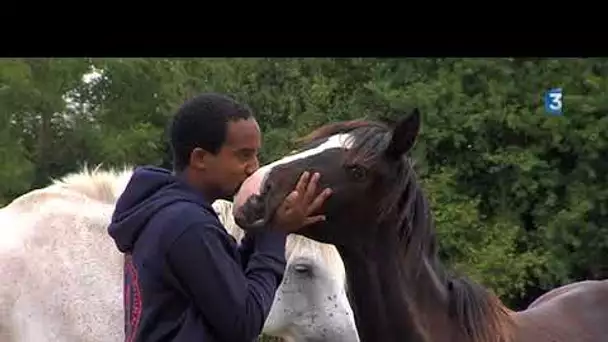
point(404, 135)
point(199, 158)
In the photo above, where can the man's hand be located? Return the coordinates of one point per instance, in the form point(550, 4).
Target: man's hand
point(296, 210)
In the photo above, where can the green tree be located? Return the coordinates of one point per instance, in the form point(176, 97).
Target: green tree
point(519, 196)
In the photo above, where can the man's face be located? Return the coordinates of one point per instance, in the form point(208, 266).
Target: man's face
point(237, 159)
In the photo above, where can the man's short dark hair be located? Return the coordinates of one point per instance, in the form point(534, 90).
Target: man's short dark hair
point(202, 122)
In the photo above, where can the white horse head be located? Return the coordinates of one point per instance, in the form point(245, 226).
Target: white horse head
point(62, 275)
point(311, 302)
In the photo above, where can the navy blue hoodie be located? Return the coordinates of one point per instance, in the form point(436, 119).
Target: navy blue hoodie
point(185, 278)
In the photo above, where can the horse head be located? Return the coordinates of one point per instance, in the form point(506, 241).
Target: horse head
point(363, 162)
point(311, 303)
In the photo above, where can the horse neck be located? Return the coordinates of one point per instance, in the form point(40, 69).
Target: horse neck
point(389, 302)
point(400, 291)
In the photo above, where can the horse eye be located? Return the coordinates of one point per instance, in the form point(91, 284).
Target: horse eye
point(302, 269)
point(358, 172)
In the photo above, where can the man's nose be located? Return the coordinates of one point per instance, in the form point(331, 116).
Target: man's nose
point(252, 167)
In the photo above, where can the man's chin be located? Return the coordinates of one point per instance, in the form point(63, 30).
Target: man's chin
point(229, 195)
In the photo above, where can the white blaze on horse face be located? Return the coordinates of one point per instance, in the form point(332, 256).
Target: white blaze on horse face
point(255, 182)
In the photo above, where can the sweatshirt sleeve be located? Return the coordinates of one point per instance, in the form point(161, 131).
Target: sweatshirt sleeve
point(246, 248)
point(235, 303)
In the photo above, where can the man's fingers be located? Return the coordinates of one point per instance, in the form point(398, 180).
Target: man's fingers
point(319, 200)
point(314, 219)
point(301, 186)
point(311, 188)
point(291, 199)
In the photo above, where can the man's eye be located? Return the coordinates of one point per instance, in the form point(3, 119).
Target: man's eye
point(246, 155)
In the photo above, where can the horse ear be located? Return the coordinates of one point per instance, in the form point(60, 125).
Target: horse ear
point(404, 135)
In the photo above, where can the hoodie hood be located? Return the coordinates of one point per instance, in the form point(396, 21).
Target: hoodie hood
point(149, 190)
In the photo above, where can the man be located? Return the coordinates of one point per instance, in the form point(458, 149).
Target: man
point(185, 277)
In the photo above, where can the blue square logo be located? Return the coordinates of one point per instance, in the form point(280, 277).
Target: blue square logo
point(553, 101)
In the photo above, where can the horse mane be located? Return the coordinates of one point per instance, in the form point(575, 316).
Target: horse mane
point(98, 184)
point(479, 313)
point(104, 186)
point(295, 243)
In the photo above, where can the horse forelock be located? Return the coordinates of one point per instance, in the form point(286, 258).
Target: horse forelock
point(366, 140)
point(341, 127)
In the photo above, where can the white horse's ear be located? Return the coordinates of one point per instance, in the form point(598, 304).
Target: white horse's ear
point(404, 135)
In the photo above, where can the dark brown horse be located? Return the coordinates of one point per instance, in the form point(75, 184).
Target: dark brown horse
point(379, 219)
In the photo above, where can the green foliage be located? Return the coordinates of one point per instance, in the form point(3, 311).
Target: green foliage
point(519, 197)
point(484, 250)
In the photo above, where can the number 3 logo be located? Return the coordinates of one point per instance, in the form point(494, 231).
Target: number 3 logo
point(553, 101)
point(556, 101)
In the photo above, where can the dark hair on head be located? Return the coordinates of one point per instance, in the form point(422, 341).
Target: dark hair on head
point(202, 121)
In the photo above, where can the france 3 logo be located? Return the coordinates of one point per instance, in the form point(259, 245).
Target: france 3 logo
point(553, 101)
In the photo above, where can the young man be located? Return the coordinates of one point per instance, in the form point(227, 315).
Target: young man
point(185, 277)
